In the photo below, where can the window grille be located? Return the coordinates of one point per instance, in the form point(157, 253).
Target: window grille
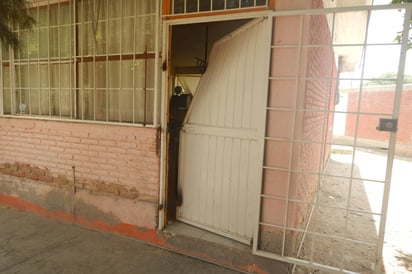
point(87, 59)
point(197, 6)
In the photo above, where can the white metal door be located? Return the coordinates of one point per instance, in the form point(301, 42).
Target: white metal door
point(222, 138)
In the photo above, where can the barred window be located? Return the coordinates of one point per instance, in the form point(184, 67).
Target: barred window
point(193, 6)
point(87, 59)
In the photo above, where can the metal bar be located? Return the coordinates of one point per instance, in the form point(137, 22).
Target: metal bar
point(60, 54)
point(46, 118)
point(338, 9)
point(157, 66)
point(378, 114)
point(315, 203)
point(72, 65)
point(134, 68)
point(107, 67)
point(356, 129)
point(121, 64)
point(392, 142)
point(324, 141)
point(2, 81)
point(145, 89)
point(223, 17)
point(292, 260)
point(323, 235)
point(48, 66)
point(291, 147)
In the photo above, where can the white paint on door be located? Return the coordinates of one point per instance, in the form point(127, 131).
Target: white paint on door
point(221, 150)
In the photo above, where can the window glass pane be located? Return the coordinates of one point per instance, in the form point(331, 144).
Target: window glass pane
point(92, 38)
point(179, 6)
point(22, 77)
point(86, 39)
point(261, 2)
point(54, 102)
point(5, 53)
point(145, 33)
point(191, 6)
point(101, 104)
point(114, 9)
point(127, 35)
point(144, 73)
point(60, 42)
point(44, 76)
point(44, 42)
point(128, 66)
point(60, 14)
point(54, 42)
point(114, 74)
point(43, 16)
point(145, 7)
point(218, 4)
point(28, 99)
point(114, 36)
point(33, 43)
point(126, 103)
point(6, 76)
point(143, 102)
point(113, 105)
point(231, 4)
point(93, 91)
point(65, 42)
point(66, 102)
point(204, 5)
point(44, 101)
point(86, 110)
point(65, 14)
point(23, 38)
point(7, 101)
point(129, 7)
point(93, 11)
point(33, 76)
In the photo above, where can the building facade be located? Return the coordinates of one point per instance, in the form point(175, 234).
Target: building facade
point(91, 120)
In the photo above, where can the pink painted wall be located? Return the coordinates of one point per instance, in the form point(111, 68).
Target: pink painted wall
point(116, 162)
point(299, 122)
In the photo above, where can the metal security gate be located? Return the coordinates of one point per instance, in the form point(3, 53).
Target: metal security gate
point(222, 136)
point(330, 137)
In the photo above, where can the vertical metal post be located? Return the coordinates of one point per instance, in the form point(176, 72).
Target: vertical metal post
point(392, 140)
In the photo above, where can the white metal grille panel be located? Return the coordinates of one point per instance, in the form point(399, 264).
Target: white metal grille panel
point(322, 206)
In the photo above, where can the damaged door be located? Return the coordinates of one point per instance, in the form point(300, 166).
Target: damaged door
point(221, 147)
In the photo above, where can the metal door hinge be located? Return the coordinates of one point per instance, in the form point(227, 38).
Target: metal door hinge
point(390, 125)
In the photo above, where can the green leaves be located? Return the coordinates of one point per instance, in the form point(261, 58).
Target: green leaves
point(398, 37)
point(401, 1)
point(13, 15)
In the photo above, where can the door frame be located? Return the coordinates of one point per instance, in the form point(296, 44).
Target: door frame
point(166, 38)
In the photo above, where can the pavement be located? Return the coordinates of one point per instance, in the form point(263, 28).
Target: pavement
point(35, 244)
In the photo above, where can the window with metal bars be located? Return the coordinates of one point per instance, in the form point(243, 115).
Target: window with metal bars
point(88, 59)
point(193, 6)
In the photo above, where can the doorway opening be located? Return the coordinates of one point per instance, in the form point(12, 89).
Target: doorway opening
point(190, 48)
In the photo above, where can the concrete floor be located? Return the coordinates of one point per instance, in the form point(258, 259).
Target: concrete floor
point(34, 244)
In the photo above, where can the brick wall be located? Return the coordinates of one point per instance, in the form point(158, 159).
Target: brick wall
point(109, 160)
point(379, 100)
point(294, 154)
